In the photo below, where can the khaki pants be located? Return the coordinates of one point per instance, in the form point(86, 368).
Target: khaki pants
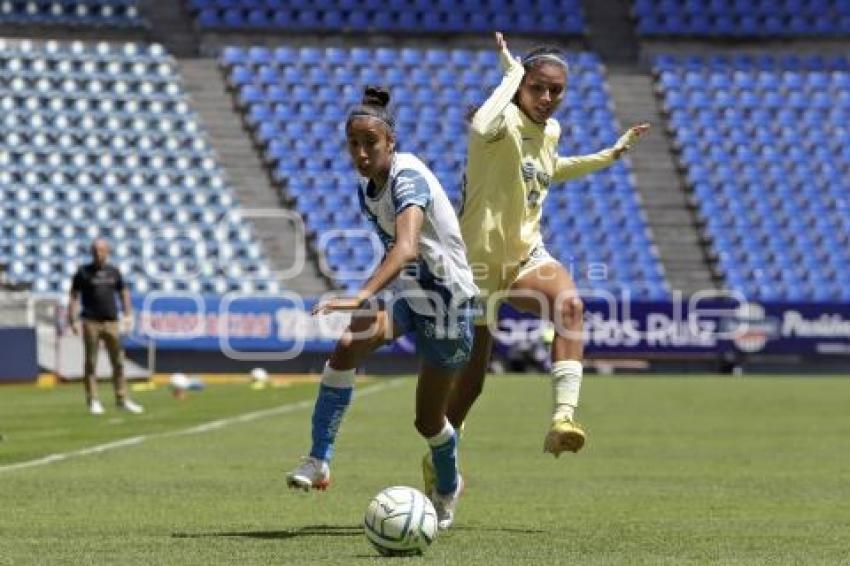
point(93, 332)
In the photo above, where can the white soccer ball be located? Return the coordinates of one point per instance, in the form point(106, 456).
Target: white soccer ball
point(400, 521)
point(259, 375)
point(179, 381)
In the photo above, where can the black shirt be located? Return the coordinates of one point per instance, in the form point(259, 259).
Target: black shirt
point(97, 287)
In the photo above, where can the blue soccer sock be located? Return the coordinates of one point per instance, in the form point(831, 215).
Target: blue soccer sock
point(331, 404)
point(444, 455)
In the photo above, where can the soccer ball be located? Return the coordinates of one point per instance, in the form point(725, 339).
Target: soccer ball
point(259, 375)
point(179, 381)
point(400, 521)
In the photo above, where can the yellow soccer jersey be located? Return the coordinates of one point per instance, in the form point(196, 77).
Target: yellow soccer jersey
point(511, 161)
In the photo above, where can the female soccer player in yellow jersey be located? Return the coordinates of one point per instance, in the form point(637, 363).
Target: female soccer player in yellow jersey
point(512, 159)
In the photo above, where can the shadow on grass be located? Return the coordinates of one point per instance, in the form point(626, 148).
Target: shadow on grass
point(338, 531)
point(509, 530)
point(308, 531)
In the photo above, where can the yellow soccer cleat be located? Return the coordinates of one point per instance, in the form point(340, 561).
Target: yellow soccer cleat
point(563, 435)
point(429, 475)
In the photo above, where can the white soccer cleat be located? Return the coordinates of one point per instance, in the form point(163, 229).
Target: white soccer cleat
point(95, 407)
point(131, 407)
point(311, 473)
point(445, 505)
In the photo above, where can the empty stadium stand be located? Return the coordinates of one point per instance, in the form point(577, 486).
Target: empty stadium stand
point(295, 100)
point(99, 13)
point(100, 140)
point(742, 18)
point(765, 147)
point(392, 16)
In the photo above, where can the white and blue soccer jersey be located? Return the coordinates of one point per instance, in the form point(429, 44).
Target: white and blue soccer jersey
point(441, 266)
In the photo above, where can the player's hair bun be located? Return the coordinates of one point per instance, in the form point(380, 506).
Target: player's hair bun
point(375, 104)
point(376, 96)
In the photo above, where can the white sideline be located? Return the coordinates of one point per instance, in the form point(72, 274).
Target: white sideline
point(196, 429)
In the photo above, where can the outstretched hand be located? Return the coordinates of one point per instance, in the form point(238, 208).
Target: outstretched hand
point(500, 41)
point(337, 304)
point(628, 139)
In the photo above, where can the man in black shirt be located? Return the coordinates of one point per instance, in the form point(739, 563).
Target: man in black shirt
point(96, 284)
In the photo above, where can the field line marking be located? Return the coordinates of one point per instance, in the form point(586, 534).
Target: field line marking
point(194, 429)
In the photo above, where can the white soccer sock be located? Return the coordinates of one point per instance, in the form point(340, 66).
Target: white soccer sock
point(443, 436)
point(566, 383)
point(338, 378)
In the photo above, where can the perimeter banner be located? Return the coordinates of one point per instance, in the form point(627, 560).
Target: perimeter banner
point(699, 327)
point(280, 327)
point(244, 327)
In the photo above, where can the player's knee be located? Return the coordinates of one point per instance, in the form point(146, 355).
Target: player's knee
point(570, 312)
point(577, 308)
point(426, 427)
point(363, 332)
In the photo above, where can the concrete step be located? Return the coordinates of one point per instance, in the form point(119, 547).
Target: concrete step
point(676, 234)
point(612, 34)
point(669, 215)
point(172, 26)
point(671, 219)
point(663, 200)
point(677, 254)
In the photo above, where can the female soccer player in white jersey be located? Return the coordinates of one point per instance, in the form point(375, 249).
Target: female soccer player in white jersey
point(425, 262)
point(511, 161)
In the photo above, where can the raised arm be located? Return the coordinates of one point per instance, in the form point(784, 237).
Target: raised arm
point(489, 119)
point(567, 168)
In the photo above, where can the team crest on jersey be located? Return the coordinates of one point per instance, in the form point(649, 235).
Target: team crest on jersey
point(533, 198)
point(530, 172)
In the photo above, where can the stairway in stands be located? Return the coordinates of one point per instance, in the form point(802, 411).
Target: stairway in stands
point(671, 219)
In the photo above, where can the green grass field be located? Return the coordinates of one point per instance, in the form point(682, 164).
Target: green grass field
point(676, 471)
